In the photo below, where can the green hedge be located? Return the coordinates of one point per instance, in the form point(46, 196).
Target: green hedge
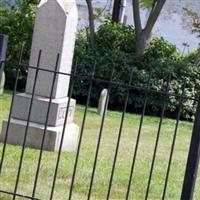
point(16, 20)
point(115, 45)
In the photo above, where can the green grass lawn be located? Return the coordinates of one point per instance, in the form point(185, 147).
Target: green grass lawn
point(105, 160)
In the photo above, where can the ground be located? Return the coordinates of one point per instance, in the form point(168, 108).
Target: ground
point(105, 160)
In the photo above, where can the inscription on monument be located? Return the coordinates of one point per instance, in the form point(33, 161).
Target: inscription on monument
point(62, 112)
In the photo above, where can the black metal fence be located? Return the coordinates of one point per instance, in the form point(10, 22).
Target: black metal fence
point(191, 167)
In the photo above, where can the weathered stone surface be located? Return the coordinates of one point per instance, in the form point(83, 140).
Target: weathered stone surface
point(2, 83)
point(102, 102)
point(57, 112)
point(35, 133)
point(54, 32)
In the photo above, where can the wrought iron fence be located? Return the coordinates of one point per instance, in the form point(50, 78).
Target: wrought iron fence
point(193, 153)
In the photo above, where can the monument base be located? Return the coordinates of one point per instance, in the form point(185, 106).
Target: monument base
point(40, 106)
point(35, 133)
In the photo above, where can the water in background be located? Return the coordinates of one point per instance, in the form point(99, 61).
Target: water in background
point(173, 24)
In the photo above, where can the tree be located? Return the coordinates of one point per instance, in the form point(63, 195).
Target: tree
point(143, 35)
point(196, 29)
point(196, 25)
point(91, 23)
point(116, 10)
point(197, 60)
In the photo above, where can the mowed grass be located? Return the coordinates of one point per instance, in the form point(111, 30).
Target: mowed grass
point(105, 160)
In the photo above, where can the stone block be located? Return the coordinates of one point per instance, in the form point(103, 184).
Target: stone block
point(39, 109)
point(2, 83)
point(35, 133)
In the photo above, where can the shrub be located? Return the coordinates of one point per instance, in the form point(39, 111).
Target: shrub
point(115, 46)
point(17, 22)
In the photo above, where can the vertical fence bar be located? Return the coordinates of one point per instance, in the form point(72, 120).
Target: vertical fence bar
point(27, 126)
point(119, 135)
point(11, 108)
point(100, 135)
point(138, 137)
point(63, 133)
point(174, 139)
point(193, 160)
point(81, 133)
point(157, 139)
point(45, 128)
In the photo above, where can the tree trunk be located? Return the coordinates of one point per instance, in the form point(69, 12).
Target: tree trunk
point(142, 40)
point(143, 35)
point(91, 23)
point(197, 61)
point(116, 11)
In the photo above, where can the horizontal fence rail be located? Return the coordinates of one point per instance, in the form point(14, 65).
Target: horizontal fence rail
point(147, 92)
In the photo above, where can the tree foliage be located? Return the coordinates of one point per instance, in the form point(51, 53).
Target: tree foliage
point(196, 29)
point(195, 20)
point(17, 22)
point(115, 44)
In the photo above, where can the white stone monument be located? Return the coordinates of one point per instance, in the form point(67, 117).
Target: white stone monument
point(102, 102)
point(54, 32)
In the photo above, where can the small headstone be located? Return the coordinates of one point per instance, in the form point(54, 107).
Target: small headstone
point(2, 83)
point(102, 102)
point(3, 48)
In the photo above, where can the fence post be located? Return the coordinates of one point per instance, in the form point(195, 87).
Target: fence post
point(193, 160)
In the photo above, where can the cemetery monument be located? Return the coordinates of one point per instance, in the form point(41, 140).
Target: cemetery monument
point(54, 32)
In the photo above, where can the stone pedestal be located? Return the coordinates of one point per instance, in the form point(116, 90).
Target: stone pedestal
point(57, 112)
point(35, 133)
point(54, 32)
